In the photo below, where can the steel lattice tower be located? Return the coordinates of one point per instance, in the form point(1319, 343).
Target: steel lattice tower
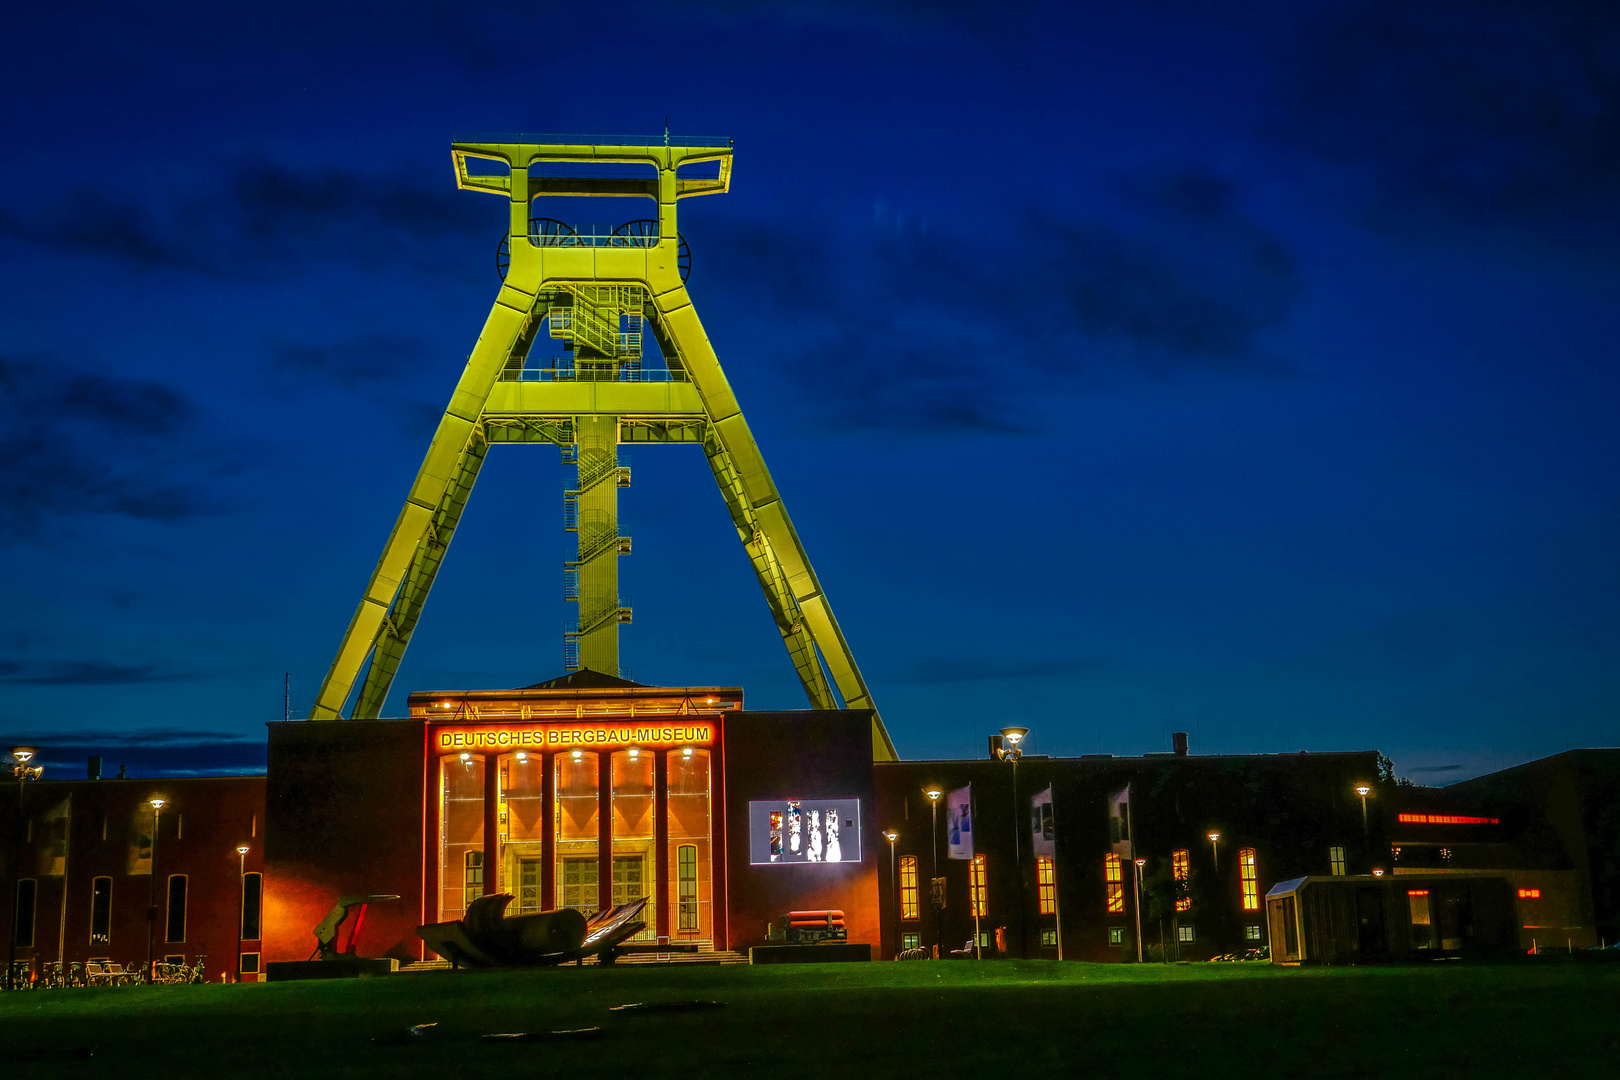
point(598, 290)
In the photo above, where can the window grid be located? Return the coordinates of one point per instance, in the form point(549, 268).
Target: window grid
point(1045, 885)
point(981, 890)
point(1116, 935)
point(1181, 870)
point(1251, 882)
point(1336, 860)
point(473, 881)
point(911, 941)
point(1114, 881)
point(1184, 934)
point(910, 904)
point(687, 886)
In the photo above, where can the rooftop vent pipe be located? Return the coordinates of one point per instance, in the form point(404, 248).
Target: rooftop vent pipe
point(1178, 739)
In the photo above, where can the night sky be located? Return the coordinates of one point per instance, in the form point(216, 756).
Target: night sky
point(1244, 369)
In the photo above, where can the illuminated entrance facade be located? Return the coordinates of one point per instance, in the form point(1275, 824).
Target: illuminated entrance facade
point(569, 795)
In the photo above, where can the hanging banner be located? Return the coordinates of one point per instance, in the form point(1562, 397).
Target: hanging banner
point(1119, 822)
point(959, 822)
point(1042, 839)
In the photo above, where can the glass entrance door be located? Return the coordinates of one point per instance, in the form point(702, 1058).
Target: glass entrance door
point(579, 883)
point(629, 878)
point(528, 876)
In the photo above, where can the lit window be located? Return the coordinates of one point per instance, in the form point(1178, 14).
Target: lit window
point(473, 884)
point(1251, 881)
point(1116, 935)
point(1444, 819)
point(686, 879)
point(1045, 885)
point(1252, 933)
point(910, 941)
point(1114, 881)
point(1181, 871)
point(910, 907)
point(1422, 932)
point(1529, 894)
point(1336, 860)
point(984, 939)
point(1048, 938)
point(981, 890)
point(1184, 933)
point(101, 911)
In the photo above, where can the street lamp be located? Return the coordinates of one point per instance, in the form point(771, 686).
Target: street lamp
point(1364, 790)
point(1139, 864)
point(894, 885)
point(151, 892)
point(934, 895)
point(1010, 738)
point(21, 771)
point(241, 877)
point(1214, 849)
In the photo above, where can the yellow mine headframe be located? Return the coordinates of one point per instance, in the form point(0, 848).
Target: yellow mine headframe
point(599, 290)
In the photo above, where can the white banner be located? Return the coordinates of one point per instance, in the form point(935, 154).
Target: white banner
point(959, 822)
point(1042, 838)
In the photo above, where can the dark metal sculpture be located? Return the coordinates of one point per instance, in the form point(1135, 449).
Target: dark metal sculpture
point(485, 937)
point(326, 933)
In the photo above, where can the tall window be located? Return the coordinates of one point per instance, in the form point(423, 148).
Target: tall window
point(980, 889)
point(632, 776)
point(1114, 881)
point(101, 911)
point(1045, 885)
point(1251, 881)
point(461, 830)
point(22, 927)
point(1336, 860)
point(252, 905)
point(175, 924)
point(1181, 871)
point(910, 908)
point(687, 806)
point(578, 810)
point(686, 887)
point(472, 882)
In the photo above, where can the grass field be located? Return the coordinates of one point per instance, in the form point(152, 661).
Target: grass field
point(992, 1019)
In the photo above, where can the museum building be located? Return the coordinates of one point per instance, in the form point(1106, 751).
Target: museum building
point(589, 791)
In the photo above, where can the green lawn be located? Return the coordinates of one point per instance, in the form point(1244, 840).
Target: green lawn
point(879, 1020)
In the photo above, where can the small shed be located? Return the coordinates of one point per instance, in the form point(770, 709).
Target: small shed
point(1362, 919)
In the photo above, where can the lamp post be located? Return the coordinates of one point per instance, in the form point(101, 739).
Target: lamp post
point(934, 897)
point(1010, 738)
point(1139, 864)
point(151, 892)
point(21, 771)
point(1364, 790)
point(894, 886)
point(1214, 849)
point(241, 878)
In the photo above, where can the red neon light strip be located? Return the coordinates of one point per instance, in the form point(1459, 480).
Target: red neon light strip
point(1444, 819)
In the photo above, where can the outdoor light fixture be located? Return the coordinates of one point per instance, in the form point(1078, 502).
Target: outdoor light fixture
point(891, 836)
point(1014, 735)
point(635, 752)
point(158, 803)
point(21, 772)
point(1009, 752)
point(243, 850)
point(1364, 790)
point(934, 896)
point(523, 755)
point(686, 751)
point(1378, 871)
point(1215, 848)
point(241, 880)
point(1136, 882)
point(466, 758)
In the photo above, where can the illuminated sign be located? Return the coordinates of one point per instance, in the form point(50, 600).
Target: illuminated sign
point(609, 736)
point(1444, 819)
point(1417, 892)
point(1529, 894)
point(804, 831)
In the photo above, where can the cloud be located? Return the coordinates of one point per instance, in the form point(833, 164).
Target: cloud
point(259, 220)
point(77, 442)
point(936, 670)
point(150, 752)
point(347, 364)
point(84, 673)
point(905, 326)
point(1435, 768)
point(1501, 112)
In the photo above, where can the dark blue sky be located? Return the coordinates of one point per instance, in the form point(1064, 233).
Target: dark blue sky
point(1247, 370)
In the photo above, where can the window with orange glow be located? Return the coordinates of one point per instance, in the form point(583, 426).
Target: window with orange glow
point(1114, 881)
point(981, 891)
point(1251, 879)
point(1443, 819)
point(910, 907)
point(1181, 871)
point(1045, 885)
point(1529, 894)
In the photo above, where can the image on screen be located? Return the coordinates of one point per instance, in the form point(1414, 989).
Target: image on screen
point(804, 831)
